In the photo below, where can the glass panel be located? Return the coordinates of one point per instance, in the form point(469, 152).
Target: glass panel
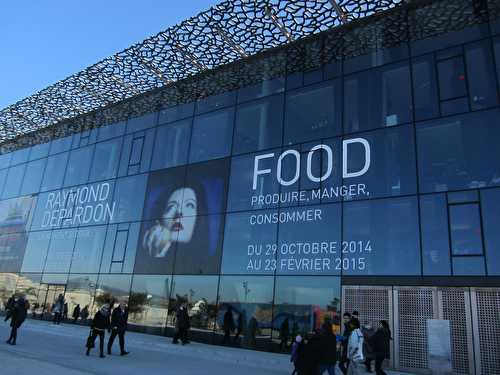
point(245, 305)
point(7, 288)
point(5, 160)
point(33, 177)
point(200, 295)
point(468, 160)
point(490, 208)
point(61, 247)
point(12, 248)
point(463, 196)
point(302, 304)
point(381, 237)
point(310, 241)
point(111, 289)
point(212, 135)
point(249, 248)
point(262, 89)
point(390, 159)
point(129, 198)
point(3, 178)
point(15, 214)
point(435, 240)
point(480, 70)
point(13, 181)
point(148, 302)
point(80, 291)
point(20, 156)
point(377, 98)
point(88, 250)
point(313, 113)
point(111, 131)
point(54, 172)
point(425, 88)
point(106, 158)
point(142, 122)
point(468, 266)
point(60, 145)
point(253, 182)
point(78, 168)
point(176, 113)
point(40, 151)
point(27, 286)
point(36, 252)
point(465, 227)
point(126, 252)
point(259, 125)
point(452, 78)
point(171, 145)
point(214, 102)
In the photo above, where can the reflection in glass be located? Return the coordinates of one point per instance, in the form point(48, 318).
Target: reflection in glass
point(148, 301)
point(425, 88)
point(468, 266)
point(54, 172)
point(171, 145)
point(248, 300)
point(13, 181)
point(7, 288)
point(465, 228)
point(200, 295)
point(27, 286)
point(111, 290)
point(80, 290)
point(36, 252)
point(106, 158)
point(60, 250)
point(129, 198)
point(490, 209)
point(77, 171)
point(33, 177)
point(301, 305)
point(88, 250)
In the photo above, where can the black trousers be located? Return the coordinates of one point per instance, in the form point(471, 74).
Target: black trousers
point(227, 336)
point(13, 334)
point(344, 365)
point(378, 366)
point(121, 339)
point(101, 334)
point(181, 334)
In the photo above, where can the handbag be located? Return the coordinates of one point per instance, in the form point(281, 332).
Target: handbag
point(90, 343)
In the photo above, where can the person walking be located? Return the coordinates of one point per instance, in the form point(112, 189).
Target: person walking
point(65, 312)
point(355, 348)
point(98, 327)
point(76, 313)
point(312, 355)
point(84, 314)
point(344, 361)
point(9, 307)
point(328, 349)
point(295, 355)
point(57, 309)
point(182, 325)
point(228, 325)
point(284, 334)
point(368, 332)
point(239, 327)
point(119, 320)
point(18, 316)
point(381, 346)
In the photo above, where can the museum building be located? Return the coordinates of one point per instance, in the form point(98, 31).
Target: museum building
point(290, 160)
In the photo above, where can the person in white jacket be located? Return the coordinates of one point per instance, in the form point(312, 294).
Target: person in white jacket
point(355, 348)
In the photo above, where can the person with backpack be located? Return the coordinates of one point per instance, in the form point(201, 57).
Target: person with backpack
point(98, 327)
point(18, 316)
point(381, 342)
point(355, 348)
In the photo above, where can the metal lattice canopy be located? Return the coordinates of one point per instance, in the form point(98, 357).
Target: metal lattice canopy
point(229, 31)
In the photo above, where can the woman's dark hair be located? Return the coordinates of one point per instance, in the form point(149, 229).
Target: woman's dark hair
point(354, 323)
point(384, 324)
point(346, 314)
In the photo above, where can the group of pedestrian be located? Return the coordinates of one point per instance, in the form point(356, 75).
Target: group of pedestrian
point(318, 353)
point(78, 312)
point(115, 323)
point(229, 326)
point(17, 310)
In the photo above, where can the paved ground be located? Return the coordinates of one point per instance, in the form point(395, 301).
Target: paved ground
point(45, 349)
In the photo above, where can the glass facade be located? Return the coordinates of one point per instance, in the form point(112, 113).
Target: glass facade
point(266, 201)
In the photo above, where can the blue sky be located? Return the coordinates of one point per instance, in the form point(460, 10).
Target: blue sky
point(44, 41)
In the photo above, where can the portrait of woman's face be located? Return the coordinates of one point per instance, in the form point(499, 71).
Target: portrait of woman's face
point(180, 212)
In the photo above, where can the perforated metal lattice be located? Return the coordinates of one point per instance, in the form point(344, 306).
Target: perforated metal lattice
point(455, 302)
point(414, 306)
point(372, 303)
point(487, 311)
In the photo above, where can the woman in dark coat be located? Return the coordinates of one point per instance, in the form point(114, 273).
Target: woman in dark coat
point(182, 325)
point(98, 327)
point(328, 349)
point(19, 313)
point(381, 346)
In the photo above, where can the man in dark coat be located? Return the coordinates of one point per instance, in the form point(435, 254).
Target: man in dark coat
point(98, 327)
point(9, 306)
point(19, 312)
point(284, 334)
point(76, 313)
point(312, 355)
point(228, 325)
point(119, 320)
point(328, 349)
point(182, 325)
point(381, 343)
